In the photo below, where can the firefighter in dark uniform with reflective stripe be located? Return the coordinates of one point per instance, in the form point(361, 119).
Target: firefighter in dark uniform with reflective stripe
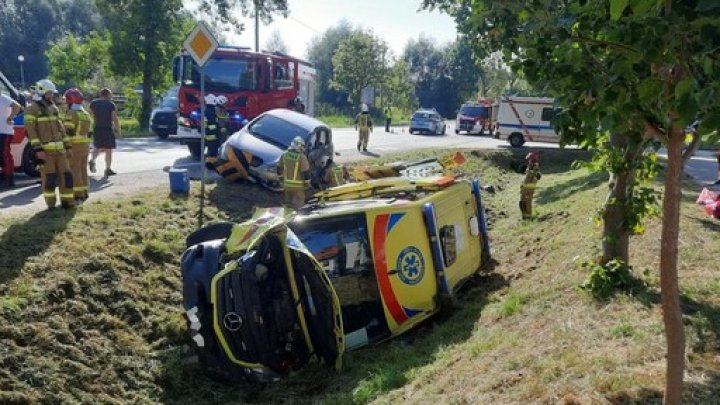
point(527, 189)
point(211, 131)
point(294, 169)
point(332, 174)
point(223, 118)
point(77, 123)
point(48, 139)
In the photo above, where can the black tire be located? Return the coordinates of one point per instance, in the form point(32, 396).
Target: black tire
point(457, 132)
point(516, 140)
point(444, 129)
point(412, 131)
point(194, 149)
point(162, 134)
point(29, 163)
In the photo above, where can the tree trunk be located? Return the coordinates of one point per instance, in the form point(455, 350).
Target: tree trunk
point(616, 231)
point(147, 86)
point(670, 294)
point(616, 236)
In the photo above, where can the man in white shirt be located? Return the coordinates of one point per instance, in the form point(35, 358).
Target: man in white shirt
point(9, 109)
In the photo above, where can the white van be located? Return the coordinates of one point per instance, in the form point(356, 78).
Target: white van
point(522, 119)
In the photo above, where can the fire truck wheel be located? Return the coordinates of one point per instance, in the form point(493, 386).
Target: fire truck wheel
point(516, 140)
point(194, 148)
point(29, 163)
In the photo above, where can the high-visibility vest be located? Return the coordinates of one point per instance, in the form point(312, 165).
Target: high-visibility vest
point(363, 121)
point(292, 175)
point(531, 176)
point(44, 127)
point(78, 127)
point(336, 176)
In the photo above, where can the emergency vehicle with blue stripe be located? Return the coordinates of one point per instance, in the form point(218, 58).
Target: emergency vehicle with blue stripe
point(523, 119)
point(362, 263)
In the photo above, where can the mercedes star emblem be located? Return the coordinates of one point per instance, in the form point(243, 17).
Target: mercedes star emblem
point(232, 321)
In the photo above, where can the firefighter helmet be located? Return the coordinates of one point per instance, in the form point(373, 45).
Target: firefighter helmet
point(73, 96)
point(221, 100)
point(210, 99)
point(532, 157)
point(364, 107)
point(297, 143)
point(42, 87)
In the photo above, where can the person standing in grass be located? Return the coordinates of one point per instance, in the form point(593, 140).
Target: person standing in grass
point(105, 130)
point(527, 189)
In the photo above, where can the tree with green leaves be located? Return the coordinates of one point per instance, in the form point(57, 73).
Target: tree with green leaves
point(397, 88)
point(226, 12)
point(77, 61)
point(359, 62)
point(145, 35)
point(628, 72)
point(320, 53)
point(275, 43)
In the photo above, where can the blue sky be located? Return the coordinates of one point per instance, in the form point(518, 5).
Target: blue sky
point(395, 21)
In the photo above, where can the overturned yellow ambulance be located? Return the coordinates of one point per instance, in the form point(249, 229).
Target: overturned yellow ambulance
point(362, 263)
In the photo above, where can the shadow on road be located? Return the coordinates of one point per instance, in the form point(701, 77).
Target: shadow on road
point(30, 238)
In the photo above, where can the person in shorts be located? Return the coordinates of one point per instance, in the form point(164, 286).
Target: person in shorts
point(105, 130)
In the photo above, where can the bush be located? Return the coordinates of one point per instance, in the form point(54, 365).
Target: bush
point(604, 281)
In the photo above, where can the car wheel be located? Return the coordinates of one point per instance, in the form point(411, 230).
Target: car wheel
point(457, 132)
point(516, 140)
point(29, 162)
point(194, 148)
point(162, 134)
point(411, 131)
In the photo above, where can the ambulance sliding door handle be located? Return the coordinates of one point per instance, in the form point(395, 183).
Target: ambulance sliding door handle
point(392, 272)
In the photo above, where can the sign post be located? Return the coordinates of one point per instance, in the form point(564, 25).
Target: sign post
point(201, 44)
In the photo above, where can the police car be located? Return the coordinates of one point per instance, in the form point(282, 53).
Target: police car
point(362, 263)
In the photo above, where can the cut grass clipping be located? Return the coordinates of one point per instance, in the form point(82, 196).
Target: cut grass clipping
point(91, 307)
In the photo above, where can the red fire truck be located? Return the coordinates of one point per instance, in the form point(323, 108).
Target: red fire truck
point(477, 117)
point(252, 82)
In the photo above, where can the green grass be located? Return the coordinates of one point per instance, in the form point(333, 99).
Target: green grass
point(131, 128)
point(91, 307)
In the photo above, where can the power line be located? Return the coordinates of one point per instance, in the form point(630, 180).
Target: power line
point(304, 25)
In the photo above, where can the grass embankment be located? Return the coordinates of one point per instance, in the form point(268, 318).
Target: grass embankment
point(91, 309)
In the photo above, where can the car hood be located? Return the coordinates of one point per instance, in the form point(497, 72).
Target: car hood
point(307, 304)
point(245, 141)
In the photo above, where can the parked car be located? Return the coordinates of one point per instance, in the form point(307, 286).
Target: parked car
point(254, 151)
point(366, 262)
point(427, 121)
point(163, 118)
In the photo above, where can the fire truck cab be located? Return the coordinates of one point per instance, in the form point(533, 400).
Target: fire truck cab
point(252, 83)
point(20, 149)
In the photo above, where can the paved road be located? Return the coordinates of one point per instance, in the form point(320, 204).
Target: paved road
point(142, 163)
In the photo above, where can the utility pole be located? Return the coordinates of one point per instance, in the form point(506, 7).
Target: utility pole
point(257, 27)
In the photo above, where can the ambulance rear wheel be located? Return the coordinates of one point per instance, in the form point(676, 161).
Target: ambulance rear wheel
point(516, 140)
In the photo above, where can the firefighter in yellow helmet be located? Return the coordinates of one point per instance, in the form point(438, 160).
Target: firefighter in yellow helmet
point(294, 169)
point(77, 123)
point(49, 141)
point(527, 189)
point(364, 125)
point(332, 174)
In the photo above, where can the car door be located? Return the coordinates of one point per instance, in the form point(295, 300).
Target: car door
point(457, 227)
point(403, 267)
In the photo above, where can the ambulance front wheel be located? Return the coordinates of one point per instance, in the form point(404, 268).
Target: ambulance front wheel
point(516, 140)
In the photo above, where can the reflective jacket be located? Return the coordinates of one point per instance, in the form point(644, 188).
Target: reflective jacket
point(334, 176)
point(45, 128)
point(294, 166)
point(532, 174)
point(363, 121)
point(78, 126)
